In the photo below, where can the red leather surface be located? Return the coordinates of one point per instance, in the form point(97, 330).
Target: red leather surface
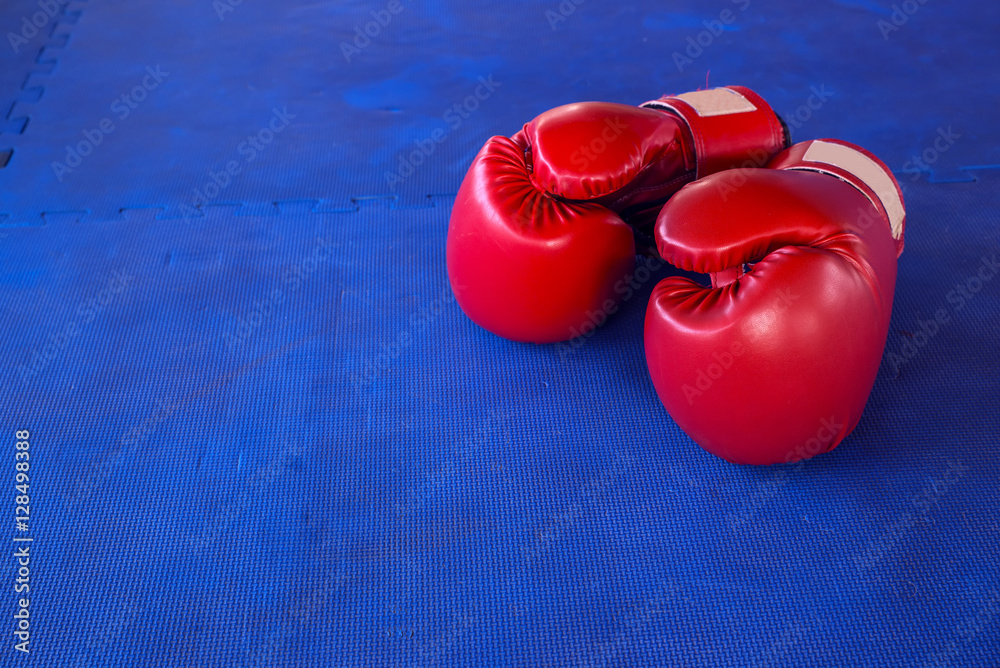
point(730, 141)
point(778, 365)
point(626, 158)
point(538, 236)
point(795, 158)
point(523, 264)
point(534, 251)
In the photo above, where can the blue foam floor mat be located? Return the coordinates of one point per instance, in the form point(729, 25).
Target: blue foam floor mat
point(220, 80)
point(263, 433)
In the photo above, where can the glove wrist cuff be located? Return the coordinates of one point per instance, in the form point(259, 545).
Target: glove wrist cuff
point(857, 167)
point(729, 126)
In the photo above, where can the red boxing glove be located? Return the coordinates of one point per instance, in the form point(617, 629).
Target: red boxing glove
point(776, 364)
point(538, 236)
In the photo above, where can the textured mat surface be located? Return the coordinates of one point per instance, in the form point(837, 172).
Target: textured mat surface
point(165, 97)
point(34, 33)
point(263, 433)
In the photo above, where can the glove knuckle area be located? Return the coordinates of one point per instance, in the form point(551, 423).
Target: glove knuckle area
point(784, 282)
point(740, 216)
point(498, 203)
point(806, 293)
point(799, 340)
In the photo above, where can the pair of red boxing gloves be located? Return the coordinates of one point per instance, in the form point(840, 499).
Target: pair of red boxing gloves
point(774, 361)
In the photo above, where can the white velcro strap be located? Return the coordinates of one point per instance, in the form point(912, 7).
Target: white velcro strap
point(867, 171)
point(717, 102)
